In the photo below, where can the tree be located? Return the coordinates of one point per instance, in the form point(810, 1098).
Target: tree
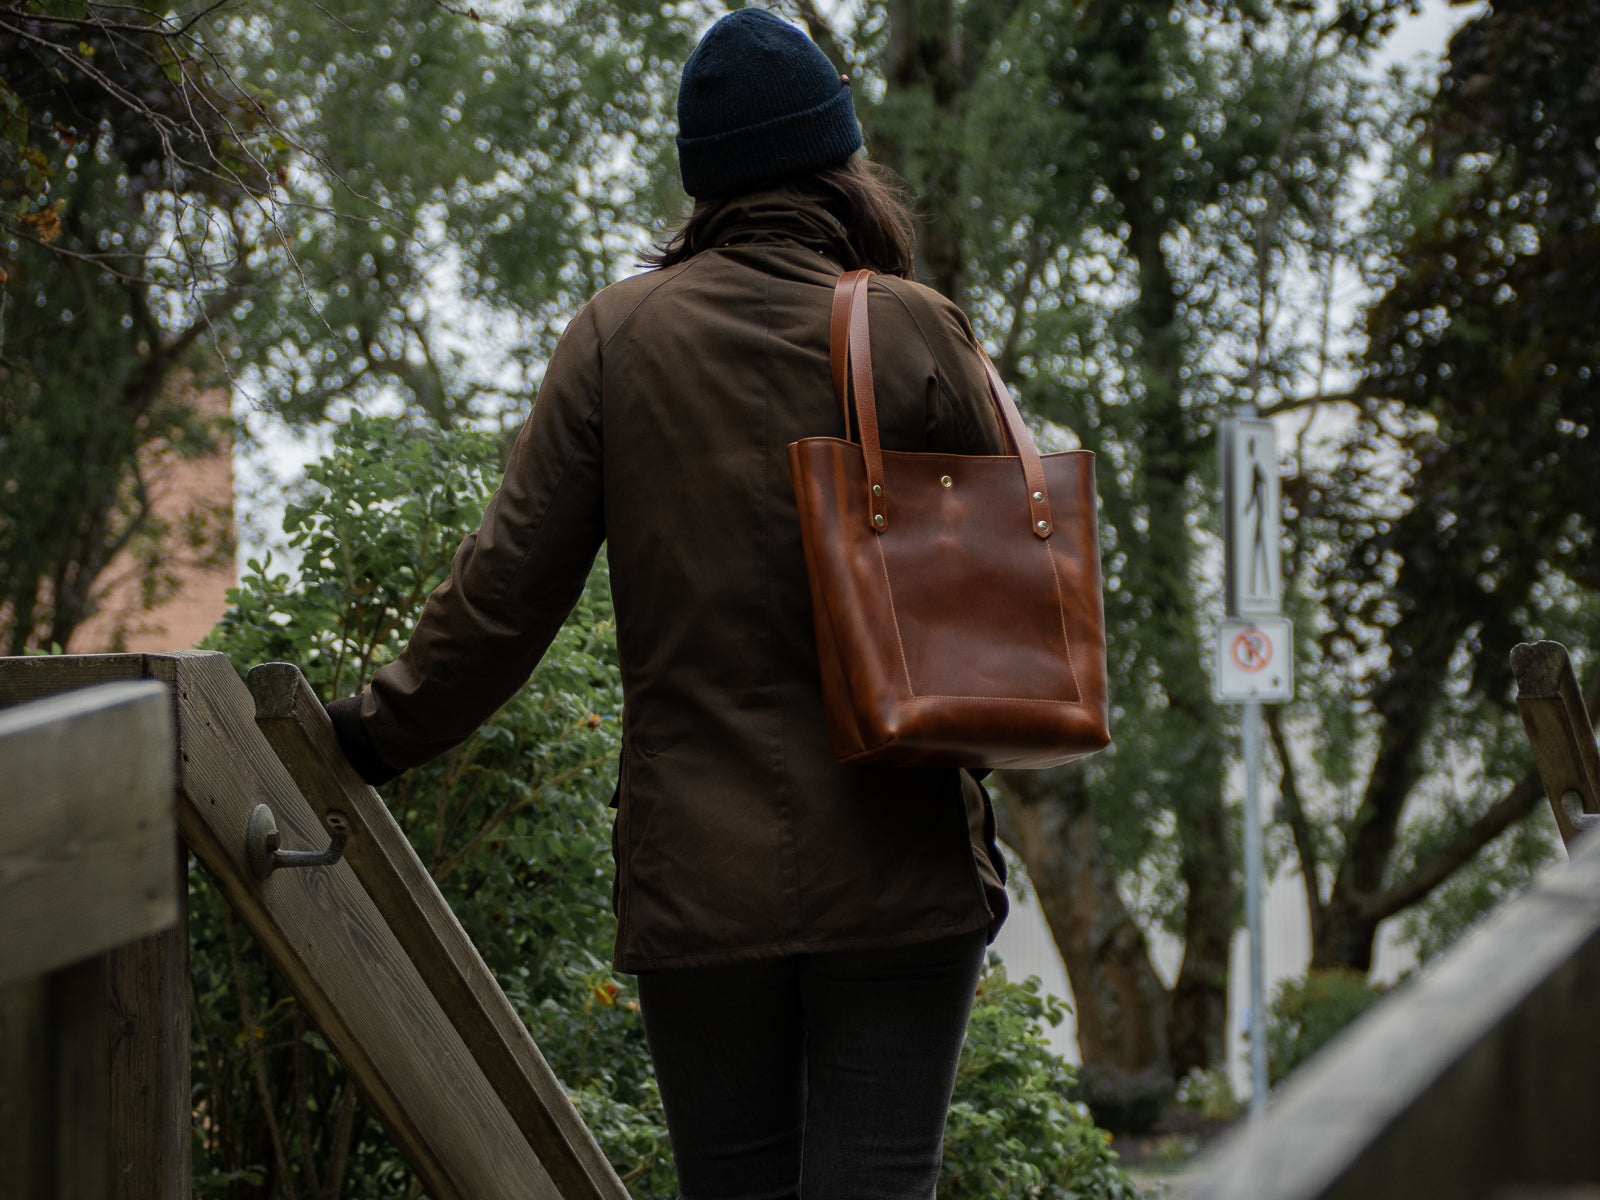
point(512, 826)
point(1111, 189)
point(1479, 385)
point(1124, 197)
point(324, 212)
point(127, 164)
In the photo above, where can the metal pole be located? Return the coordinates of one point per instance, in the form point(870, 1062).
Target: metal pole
point(1252, 908)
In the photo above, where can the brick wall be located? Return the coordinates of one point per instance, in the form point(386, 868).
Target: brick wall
point(196, 563)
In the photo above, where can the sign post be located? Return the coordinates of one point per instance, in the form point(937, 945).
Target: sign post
point(1254, 665)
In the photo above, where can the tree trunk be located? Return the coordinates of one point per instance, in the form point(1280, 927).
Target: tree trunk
point(1120, 1003)
point(1199, 1013)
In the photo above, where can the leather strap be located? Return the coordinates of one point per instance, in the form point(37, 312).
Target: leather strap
point(1021, 442)
point(850, 356)
point(838, 334)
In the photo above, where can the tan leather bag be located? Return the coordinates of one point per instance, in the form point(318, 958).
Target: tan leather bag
point(957, 597)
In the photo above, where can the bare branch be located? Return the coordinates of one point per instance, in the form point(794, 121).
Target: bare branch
point(1298, 403)
point(1305, 842)
point(1523, 796)
point(821, 32)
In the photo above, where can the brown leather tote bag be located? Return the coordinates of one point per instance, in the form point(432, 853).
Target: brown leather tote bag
point(957, 597)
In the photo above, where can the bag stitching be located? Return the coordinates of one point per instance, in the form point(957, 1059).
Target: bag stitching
point(894, 616)
point(1061, 608)
point(905, 666)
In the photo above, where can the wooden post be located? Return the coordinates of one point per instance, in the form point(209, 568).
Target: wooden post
point(367, 944)
point(94, 1039)
point(1561, 734)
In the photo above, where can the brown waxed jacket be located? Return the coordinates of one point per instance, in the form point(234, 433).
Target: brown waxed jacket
point(662, 427)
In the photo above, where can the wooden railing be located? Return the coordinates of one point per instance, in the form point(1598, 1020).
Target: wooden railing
point(94, 1067)
point(367, 944)
point(1481, 1078)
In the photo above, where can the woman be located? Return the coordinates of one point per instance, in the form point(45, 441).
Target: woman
point(807, 936)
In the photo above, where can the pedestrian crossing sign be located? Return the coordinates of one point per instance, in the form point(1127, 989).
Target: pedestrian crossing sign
point(1251, 518)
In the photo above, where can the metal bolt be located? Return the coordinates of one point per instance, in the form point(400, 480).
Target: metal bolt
point(946, 481)
point(878, 520)
point(1038, 497)
point(877, 489)
point(1043, 525)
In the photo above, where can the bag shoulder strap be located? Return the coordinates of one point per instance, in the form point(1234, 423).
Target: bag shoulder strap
point(850, 356)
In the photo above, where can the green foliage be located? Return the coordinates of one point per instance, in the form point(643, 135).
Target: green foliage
point(128, 160)
point(1498, 873)
point(320, 209)
point(513, 825)
point(1308, 1013)
point(1013, 1134)
point(1208, 1095)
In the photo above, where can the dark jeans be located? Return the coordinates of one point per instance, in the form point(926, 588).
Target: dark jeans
point(817, 1077)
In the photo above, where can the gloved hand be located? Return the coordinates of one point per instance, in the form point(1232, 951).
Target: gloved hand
point(357, 743)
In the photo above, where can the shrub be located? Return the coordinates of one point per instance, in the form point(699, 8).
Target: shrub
point(1013, 1133)
point(1207, 1095)
point(513, 825)
point(1308, 1013)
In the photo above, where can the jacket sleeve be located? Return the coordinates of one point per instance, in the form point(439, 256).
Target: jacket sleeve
point(512, 583)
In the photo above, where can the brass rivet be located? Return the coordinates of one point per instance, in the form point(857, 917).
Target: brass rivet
point(947, 481)
point(878, 520)
point(1043, 525)
point(1038, 497)
point(877, 489)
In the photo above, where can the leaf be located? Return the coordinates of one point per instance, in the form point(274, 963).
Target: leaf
point(46, 222)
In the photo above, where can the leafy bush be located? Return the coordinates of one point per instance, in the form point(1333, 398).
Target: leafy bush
point(1013, 1133)
point(1310, 1012)
point(513, 826)
point(1208, 1095)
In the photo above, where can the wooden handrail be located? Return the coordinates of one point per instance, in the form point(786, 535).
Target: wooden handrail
point(367, 944)
point(94, 1033)
point(1477, 1079)
point(296, 725)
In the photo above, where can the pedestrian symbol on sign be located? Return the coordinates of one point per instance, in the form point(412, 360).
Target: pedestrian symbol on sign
point(1252, 567)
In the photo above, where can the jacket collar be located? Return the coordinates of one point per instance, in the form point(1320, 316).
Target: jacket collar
point(773, 218)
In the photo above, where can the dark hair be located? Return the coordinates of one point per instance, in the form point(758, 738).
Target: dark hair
point(866, 198)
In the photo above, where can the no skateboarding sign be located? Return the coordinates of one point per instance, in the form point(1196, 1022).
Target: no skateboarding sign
point(1255, 661)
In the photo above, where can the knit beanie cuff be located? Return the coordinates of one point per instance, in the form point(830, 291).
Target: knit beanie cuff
point(792, 144)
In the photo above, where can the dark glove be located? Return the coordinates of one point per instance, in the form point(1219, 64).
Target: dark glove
point(356, 742)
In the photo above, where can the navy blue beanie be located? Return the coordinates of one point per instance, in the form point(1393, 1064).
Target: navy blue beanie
point(759, 103)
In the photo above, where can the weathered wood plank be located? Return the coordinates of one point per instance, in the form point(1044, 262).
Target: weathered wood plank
point(81, 1043)
point(1480, 1074)
point(89, 859)
point(87, 834)
point(296, 725)
point(27, 1091)
point(1559, 730)
point(146, 1002)
point(41, 675)
point(338, 953)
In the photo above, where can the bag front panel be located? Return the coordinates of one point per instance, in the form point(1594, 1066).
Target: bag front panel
point(957, 636)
